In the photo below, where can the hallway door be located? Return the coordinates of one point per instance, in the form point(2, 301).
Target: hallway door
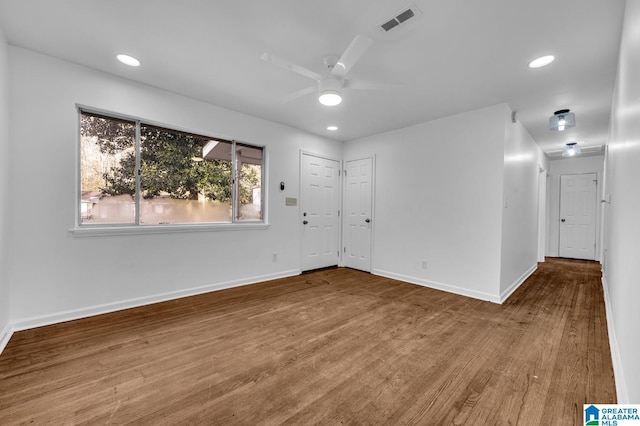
point(358, 213)
point(320, 204)
point(578, 202)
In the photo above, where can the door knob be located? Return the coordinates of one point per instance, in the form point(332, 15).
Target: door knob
point(367, 220)
point(304, 222)
point(562, 220)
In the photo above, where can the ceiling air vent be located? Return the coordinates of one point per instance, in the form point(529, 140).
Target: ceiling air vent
point(400, 18)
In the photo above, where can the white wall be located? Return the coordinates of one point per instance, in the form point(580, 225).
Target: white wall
point(520, 206)
point(4, 192)
point(438, 197)
point(54, 275)
point(570, 166)
point(622, 227)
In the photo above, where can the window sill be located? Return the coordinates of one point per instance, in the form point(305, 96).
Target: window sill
point(103, 231)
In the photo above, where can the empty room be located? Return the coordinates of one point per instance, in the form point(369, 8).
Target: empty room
point(337, 212)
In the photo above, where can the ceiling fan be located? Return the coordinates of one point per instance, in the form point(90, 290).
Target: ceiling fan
point(331, 85)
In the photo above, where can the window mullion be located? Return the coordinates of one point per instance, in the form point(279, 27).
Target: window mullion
point(234, 182)
point(138, 173)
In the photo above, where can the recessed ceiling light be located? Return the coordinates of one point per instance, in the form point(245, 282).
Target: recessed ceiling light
point(128, 60)
point(541, 61)
point(332, 128)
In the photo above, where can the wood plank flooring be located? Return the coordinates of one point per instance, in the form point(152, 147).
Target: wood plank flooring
point(331, 347)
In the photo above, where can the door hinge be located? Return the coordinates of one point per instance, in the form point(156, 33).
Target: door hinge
point(345, 172)
point(338, 172)
point(344, 250)
point(338, 213)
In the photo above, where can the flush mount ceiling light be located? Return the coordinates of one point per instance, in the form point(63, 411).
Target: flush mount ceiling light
point(330, 92)
point(562, 120)
point(571, 150)
point(541, 61)
point(332, 128)
point(128, 60)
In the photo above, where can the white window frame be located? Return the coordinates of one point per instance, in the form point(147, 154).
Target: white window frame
point(87, 230)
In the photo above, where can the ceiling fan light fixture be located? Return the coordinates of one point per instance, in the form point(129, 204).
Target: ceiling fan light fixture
point(330, 98)
point(332, 128)
point(330, 92)
point(561, 120)
point(572, 149)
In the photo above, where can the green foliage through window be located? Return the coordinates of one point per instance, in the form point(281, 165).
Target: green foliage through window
point(165, 176)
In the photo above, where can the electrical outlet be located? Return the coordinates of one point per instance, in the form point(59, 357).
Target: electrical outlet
point(274, 257)
point(424, 264)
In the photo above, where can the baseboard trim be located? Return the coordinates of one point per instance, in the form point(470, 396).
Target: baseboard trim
point(513, 287)
point(439, 286)
point(5, 336)
point(40, 321)
point(616, 360)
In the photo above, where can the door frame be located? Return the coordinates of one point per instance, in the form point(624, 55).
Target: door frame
point(597, 218)
point(340, 201)
point(373, 208)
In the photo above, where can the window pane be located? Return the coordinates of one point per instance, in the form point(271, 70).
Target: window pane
point(249, 170)
point(107, 169)
point(185, 178)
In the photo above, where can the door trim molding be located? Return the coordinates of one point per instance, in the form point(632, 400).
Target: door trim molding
point(317, 155)
point(340, 204)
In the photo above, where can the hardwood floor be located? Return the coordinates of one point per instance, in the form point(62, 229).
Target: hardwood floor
point(331, 347)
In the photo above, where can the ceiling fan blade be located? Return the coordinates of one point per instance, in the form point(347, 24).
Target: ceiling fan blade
point(370, 85)
point(299, 93)
point(358, 46)
point(290, 66)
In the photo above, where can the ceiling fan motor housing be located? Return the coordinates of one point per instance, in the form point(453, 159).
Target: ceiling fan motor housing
point(330, 85)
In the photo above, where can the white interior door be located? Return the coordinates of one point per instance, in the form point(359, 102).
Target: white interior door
point(320, 204)
point(358, 218)
point(578, 216)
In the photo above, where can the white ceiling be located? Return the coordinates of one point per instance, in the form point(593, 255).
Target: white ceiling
point(458, 55)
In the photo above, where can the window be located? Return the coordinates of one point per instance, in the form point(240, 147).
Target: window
point(134, 173)
point(107, 147)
